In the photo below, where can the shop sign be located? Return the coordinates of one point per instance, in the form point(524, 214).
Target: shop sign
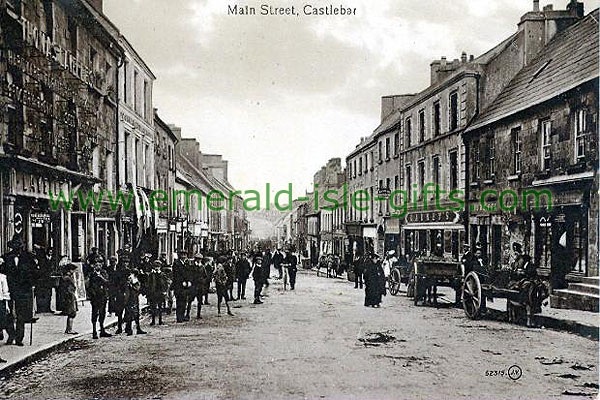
point(35, 37)
point(134, 123)
point(40, 218)
point(434, 216)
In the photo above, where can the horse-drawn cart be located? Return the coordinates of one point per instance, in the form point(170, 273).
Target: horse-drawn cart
point(523, 295)
point(429, 273)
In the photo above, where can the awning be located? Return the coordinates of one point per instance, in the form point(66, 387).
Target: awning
point(415, 227)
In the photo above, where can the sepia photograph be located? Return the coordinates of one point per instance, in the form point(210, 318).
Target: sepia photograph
point(369, 200)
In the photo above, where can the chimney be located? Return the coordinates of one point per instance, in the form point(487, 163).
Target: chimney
point(536, 5)
point(463, 57)
point(471, 58)
point(97, 4)
point(539, 27)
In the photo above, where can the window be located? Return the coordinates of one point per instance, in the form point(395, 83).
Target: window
point(396, 182)
point(437, 119)
point(545, 145)
point(126, 81)
point(491, 157)
point(93, 58)
point(408, 181)
point(360, 165)
point(388, 182)
point(436, 170)
point(367, 162)
point(380, 151)
point(422, 126)
point(146, 99)
point(515, 135)
point(72, 32)
point(355, 168)
point(387, 148)
point(135, 91)
point(396, 143)
point(476, 157)
point(454, 117)
point(49, 11)
point(372, 159)
point(349, 170)
point(580, 131)
point(421, 169)
point(408, 133)
point(453, 156)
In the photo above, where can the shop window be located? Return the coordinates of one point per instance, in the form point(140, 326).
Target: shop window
point(545, 143)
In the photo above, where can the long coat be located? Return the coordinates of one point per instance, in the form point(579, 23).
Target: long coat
point(374, 282)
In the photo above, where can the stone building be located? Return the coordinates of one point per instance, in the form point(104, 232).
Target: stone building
point(540, 137)
point(136, 145)
point(361, 179)
point(58, 123)
point(165, 142)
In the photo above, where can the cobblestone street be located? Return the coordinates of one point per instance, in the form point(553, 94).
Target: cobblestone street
point(318, 342)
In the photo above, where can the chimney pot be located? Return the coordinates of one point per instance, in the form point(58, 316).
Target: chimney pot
point(463, 57)
point(536, 5)
point(471, 57)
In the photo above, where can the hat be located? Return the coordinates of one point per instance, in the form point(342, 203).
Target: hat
point(15, 242)
point(391, 252)
point(70, 267)
point(199, 256)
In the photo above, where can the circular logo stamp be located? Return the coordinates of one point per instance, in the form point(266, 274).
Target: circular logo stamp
point(515, 372)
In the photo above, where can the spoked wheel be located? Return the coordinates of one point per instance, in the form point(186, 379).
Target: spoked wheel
point(471, 296)
point(394, 282)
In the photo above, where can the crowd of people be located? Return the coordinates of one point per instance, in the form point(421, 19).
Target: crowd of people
point(114, 286)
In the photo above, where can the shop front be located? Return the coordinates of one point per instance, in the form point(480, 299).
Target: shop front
point(433, 234)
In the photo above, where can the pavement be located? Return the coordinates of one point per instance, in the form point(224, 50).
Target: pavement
point(48, 334)
point(318, 341)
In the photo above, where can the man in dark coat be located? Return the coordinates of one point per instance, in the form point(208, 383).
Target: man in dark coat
point(132, 304)
point(266, 265)
point(277, 260)
point(182, 286)
point(119, 285)
point(98, 292)
point(258, 276)
point(156, 291)
point(292, 265)
point(358, 272)
point(44, 284)
point(21, 269)
point(242, 272)
point(230, 271)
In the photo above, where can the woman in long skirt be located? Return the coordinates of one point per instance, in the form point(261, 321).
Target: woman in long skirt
point(374, 282)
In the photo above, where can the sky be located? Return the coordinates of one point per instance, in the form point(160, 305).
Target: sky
point(278, 96)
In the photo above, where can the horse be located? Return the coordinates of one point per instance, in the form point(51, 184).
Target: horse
point(529, 302)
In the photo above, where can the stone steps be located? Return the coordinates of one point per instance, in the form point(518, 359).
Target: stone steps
point(579, 296)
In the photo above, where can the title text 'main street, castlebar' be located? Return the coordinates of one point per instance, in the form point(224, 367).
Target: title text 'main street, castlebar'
point(306, 9)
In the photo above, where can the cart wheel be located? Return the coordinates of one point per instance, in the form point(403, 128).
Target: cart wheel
point(471, 296)
point(395, 282)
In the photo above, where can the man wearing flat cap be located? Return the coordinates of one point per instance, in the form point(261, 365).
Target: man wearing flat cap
point(258, 276)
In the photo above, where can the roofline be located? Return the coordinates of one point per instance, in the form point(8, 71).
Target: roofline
point(165, 126)
point(528, 106)
point(433, 90)
point(137, 56)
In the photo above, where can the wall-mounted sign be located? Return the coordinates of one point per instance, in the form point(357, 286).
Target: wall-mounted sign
point(434, 216)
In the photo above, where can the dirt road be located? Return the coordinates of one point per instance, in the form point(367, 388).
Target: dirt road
point(319, 342)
